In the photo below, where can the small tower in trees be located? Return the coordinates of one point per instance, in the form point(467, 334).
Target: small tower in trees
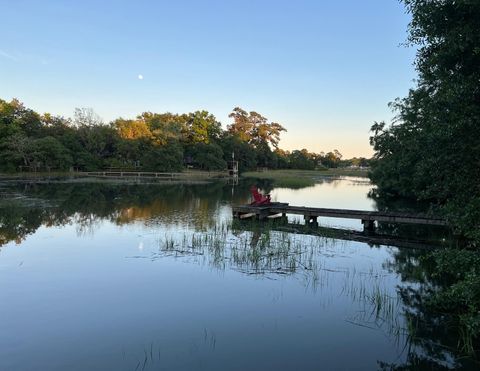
point(233, 167)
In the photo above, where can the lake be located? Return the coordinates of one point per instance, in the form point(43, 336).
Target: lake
point(114, 276)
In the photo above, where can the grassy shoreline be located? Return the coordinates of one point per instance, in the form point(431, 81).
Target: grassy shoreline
point(272, 174)
point(282, 178)
point(302, 178)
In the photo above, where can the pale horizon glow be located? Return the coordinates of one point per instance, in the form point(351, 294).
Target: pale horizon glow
point(324, 70)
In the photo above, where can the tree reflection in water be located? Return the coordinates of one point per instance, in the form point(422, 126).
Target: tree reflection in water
point(85, 204)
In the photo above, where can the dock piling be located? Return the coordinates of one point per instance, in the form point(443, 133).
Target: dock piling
point(368, 226)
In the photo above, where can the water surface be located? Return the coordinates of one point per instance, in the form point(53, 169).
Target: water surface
point(155, 277)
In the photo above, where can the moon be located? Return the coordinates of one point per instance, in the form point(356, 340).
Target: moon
point(140, 77)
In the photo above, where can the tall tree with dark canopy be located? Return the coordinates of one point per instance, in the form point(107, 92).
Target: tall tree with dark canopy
point(431, 151)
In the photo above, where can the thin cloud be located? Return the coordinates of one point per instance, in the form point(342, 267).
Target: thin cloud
point(8, 55)
point(22, 57)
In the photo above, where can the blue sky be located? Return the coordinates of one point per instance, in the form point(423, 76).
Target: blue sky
point(324, 69)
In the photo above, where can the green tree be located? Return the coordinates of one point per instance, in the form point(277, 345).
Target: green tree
point(16, 152)
point(254, 128)
point(82, 159)
point(16, 122)
point(164, 127)
point(201, 127)
point(128, 152)
point(55, 126)
point(9, 112)
point(168, 157)
point(244, 153)
point(208, 156)
point(265, 157)
point(331, 159)
point(301, 160)
point(15, 116)
point(281, 158)
point(98, 140)
point(431, 151)
point(49, 154)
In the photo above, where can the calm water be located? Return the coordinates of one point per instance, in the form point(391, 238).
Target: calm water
point(155, 277)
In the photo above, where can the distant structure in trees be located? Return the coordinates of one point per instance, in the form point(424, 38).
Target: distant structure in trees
point(233, 167)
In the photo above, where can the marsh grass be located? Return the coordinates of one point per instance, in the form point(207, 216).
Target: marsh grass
point(380, 305)
point(148, 359)
point(301, 178)
point(259, 251)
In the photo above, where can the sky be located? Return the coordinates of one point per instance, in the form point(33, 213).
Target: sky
point(326, 70)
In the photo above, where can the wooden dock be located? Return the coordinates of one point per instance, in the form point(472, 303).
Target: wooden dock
point(155, 175)
point(132, 174)
point(311, 214)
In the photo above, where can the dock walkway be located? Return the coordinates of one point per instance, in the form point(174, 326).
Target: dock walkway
point(130, 174)
point(311, 214)
point(155, 175)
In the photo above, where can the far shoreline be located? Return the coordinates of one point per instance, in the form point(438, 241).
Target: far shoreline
point(294, 177)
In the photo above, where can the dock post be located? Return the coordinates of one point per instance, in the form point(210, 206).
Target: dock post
point(310, 220)
point(262, 215)
point(368, 226)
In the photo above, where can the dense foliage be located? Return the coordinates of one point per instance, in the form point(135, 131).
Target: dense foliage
point(152, 141)
point(431, 151)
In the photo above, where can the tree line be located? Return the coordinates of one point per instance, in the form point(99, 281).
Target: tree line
point(30, 141)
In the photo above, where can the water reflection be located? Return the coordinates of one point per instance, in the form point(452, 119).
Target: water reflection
point(25, 207)
point(156, 276)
